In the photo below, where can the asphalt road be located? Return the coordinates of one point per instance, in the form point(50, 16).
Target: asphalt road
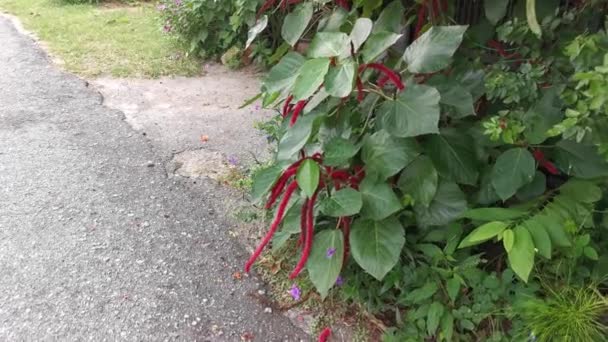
point(95, 242)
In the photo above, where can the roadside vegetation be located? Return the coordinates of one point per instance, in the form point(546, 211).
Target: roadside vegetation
point(107, 39)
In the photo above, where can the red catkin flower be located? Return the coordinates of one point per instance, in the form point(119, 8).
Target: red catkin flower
point(382, 81)
point(296, 112)
point(273, 228)
point(343, 4)
point(421, 17)
point(267, 5)
point(325, 334)
point(393, 76)
point(436, 10)
point(279, 186)
point(308, 238)
point(544, 163)
point(286, 106)
point(303, 220)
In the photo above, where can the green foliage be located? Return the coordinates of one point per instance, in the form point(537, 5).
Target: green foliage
point(455, 151)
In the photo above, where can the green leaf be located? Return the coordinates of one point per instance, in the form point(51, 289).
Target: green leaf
point(295, 23)
point(340, 79)
point(436, 311)
point(256, 29)
point(338, 151)
point(508, 237)
point(379, 200)
point(521, 256)
point(390, 18)
point(581, 191)
point(454, 95)
point(453, 154)
point(541, 117)
point(551, 222)
point(447, 327)
point(513, 169)
point(420, 180)
point(433, 50)
point(323, 270)
point(376, 44)
point(495, 10)
point(376, 245)
point(264, 180)
point(385, 155)
point(590, 253)
point(307, 176)
point(282, 75)
point(310, 77)
point(344, 202)
point(531, 17)
point(414, 112)
point(537, 187)
point(582, 161)
point(453, 287)
point(493, 214)
point(327, 44)
point(483, 233)
point(542, 240)
point(295, 138)
point(333, 23)
point(420, 294)
point(448, 204)
point(360, 32)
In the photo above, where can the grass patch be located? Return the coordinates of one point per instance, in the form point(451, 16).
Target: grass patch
point(104, 40)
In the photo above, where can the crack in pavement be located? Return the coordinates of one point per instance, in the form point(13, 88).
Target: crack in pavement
point(96, 245)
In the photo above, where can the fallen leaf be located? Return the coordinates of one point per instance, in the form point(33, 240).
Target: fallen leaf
point(204, 138)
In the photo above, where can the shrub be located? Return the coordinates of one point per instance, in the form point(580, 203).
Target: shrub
point(456, 165)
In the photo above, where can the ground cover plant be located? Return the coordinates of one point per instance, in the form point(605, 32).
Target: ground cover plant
point(442, 162)
point(115, 40)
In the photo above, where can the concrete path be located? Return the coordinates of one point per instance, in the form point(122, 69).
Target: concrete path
point(96, 243)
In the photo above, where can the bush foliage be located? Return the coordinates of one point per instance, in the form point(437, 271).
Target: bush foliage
point(442, 158)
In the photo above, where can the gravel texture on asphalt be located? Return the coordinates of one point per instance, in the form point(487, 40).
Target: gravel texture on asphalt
point(96, 243)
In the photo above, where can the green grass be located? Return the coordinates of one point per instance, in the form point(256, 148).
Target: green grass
point(104, 40)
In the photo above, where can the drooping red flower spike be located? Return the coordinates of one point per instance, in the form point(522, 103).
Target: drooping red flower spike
point(310, 221)
point(287, 106)
point(392, 76)
point(296, 112)
point(265, 7)
point(325, 334)
point(273, 228)
point(343, 4)
point(421, 18)
point(539, 156)
point(360, 93)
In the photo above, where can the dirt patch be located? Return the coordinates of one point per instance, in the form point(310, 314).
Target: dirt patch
point(200, 163)
point(179, 113)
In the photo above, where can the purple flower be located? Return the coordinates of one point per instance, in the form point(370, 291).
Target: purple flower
point(178, 2)
point(295, 292)
point(161, 7)
point(339, 281)
point(167, 28)
point(233, 160)
point(258, 107)
point(330, 252)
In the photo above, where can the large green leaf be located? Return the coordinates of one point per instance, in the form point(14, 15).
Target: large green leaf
point(264, 180)
point(338, 151)
point(433, 50)
point(308, 175)
point(582, 161)
point(284, 74)
point(581, 191)
point(454, 95)
point(423, 293)
point(453, 154)
point(256, 29)
point(310, 77)
point(448, 204)
point(521, 256)
point(541, 117)
point(531, 17)
point(325, 261)
point(379, 200)
point(296, 137)
point(436, 311)
point(376, 246)
point(328, 44)
point(420, 180)
point(483, 233)
point(492, 214)
point(495, 10)
point(542, 240)
point(554, 227)
point(376, 44)
point(414, 112)
point(340, 79)
point(344, 202)
point(390, 19)
point(513, 169)
point(333, 23)
point(385, 156)
point(296, 22)
point(537, 187)
point(360, 32)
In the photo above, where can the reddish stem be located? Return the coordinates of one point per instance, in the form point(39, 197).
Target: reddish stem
point(421, 17)
point(308, 238)
point(346, 232)
point(273, 228)
point(436, 10)
point(296, 112)
point(343, 4)
point(286, 105)
point(360, 94)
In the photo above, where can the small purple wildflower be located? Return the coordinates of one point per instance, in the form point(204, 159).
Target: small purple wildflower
point(178, 2)
point(167, 28)
point(339, 281)
point(258, 107)
point(295, 292)
point(161, 7)
point(233, 160)
point(330, 252)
